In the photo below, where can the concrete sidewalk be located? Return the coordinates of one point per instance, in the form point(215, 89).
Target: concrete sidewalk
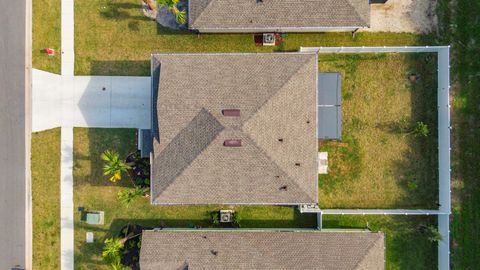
point(90, 101)
point(66, 199)
point(67, 36)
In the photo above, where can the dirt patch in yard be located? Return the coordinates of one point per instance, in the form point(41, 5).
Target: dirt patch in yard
point(414, 16)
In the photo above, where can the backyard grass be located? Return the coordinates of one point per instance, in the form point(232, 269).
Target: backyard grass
point(46, 199)
point(405, 246)
point(460, 27)
point(379, 163)
point(93, 191)
point(46, 34)
point(114, 38)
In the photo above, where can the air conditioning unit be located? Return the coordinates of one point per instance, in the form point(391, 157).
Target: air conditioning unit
point(268, 39)
point(226, 216)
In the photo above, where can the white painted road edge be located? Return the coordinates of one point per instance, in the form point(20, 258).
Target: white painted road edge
point(66, 199)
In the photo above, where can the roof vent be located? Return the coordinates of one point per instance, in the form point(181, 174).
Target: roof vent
point(284, 188)
point(280, 140)
point(232, 143)
point(231, 112)
point(297, 164)
point(214, 252)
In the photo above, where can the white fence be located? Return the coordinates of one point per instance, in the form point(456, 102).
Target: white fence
point(444, 127)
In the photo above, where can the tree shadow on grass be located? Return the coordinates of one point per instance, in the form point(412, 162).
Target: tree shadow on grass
point(122, 11)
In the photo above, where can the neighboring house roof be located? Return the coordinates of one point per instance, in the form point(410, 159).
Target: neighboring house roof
point(276, 96)
point(223, 249)
point(273, 14)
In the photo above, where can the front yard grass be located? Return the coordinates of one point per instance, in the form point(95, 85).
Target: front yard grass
point(379, 163)
point(46, 199)
point(93, 191)
point(405, 246)
point(46, 34)
point(115, 38)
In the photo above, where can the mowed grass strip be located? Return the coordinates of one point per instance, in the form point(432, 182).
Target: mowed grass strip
point(375, 164)
point(46, 199)
point(93, 191)
point(115, 38)
point(405, 246)
point(46, 34)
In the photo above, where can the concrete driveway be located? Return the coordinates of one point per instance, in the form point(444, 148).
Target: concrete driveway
point(95, 101)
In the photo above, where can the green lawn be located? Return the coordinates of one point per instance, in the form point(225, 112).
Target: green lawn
point(460, 27)
point(114, 38)
point(377, 164)
point(46, 34)
point(46, 199)
point(93, 191)
point(405, 248)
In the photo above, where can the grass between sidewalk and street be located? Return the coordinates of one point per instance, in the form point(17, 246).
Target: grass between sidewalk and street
point(380, 162)
point(406, 247)
point(46, 199)
point(93, 191)
point(46, 34)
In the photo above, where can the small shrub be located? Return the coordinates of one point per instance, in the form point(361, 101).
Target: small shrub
point(412, 185)
point(146, 181)
point(281, 47)
point(111, 252)
point(236, 220)
point(215, 218)
point(128, 196)
point(420, 130)
point(433, 235)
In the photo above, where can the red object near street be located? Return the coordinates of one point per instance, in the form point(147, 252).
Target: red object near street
point(50, 51)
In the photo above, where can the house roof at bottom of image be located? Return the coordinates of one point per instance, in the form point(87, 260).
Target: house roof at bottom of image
point(227, 249)
point(235, 128)
point(274, 14)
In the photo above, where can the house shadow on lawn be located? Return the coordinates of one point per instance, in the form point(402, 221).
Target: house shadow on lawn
point(121, 67)
point(118, 224)
point(88, 252)
point(90, 143)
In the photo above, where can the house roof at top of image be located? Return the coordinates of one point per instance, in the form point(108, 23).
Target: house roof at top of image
point(275, 158)
point(272, 14)
point(224, 249)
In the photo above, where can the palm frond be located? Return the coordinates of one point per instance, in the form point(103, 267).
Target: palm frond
point(164, 3)
point(181, 16)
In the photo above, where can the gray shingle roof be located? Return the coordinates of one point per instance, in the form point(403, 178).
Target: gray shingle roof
point(261, 250)
point(276, 95)
point(249, 14)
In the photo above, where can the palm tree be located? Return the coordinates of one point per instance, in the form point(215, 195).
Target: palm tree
point(113, 165)
point(180, 15)
point(128, 196)
point(111, 250)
